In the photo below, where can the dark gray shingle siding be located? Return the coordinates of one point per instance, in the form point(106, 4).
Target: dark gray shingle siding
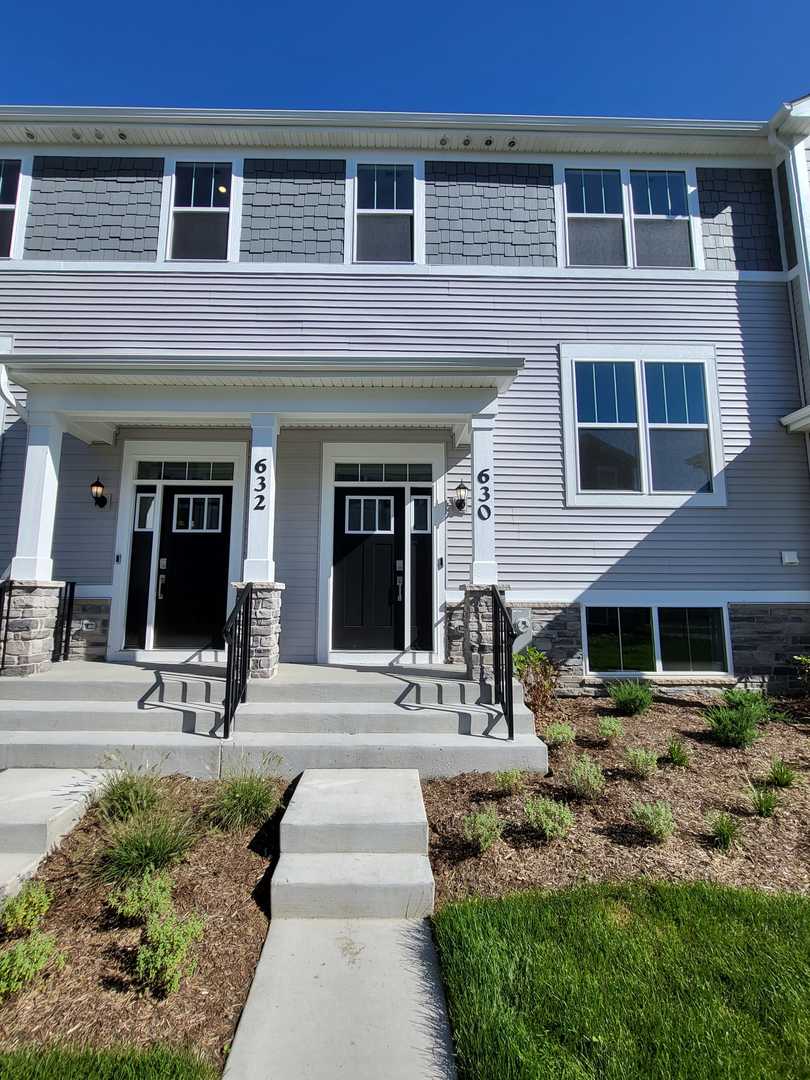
point(489, 212)
point(293, 211)
point(94, 208)
point(738, 214)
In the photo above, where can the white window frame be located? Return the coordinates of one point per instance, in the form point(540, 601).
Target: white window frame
point(376, 499)
point(687, 217)
point(654, 608)
point(20, 206)
point(150, 514)
point(208, 499)
point(418, 212)
point(234, 210)
point(429, 505)
point(638, 354)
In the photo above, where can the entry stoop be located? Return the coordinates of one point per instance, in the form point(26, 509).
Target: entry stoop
point(354, 845)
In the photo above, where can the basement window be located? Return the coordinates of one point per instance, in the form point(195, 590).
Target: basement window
point(648, 640)
point(201, 210)
point(9, 182)
point(384, 224)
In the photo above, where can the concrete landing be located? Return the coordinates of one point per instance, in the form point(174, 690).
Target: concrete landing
point(345, 1000)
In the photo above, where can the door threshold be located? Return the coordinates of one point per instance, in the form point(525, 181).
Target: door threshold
point(381, 658)
point(168, 656)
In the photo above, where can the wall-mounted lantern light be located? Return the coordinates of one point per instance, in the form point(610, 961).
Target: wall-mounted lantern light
point(460, 500)
point(97, 491)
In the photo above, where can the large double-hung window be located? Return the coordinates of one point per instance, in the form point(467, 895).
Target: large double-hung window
point(641, 429)
point(384, 216)
point(201, 210)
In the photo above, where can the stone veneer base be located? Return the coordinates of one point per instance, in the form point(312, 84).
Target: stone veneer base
point(265, 627)
point(27, 627)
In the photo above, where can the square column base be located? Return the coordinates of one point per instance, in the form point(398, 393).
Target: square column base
point(27, 626)
point(478, 639)
point(265, 627)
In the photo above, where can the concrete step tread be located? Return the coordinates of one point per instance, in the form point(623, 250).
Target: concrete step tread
point(15, 868)
point(350, 708)
point(356, 868)
point(103, 705)
point(351, 885)
point(38, 806)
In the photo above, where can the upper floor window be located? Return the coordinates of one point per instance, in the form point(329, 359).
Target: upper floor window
point(384, 225)
point(201, 211)
point(9, 182)
point(660, 218)
point(595, 213)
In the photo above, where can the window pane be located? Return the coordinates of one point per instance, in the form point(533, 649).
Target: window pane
point(396, 472)
point(638, 653)
point(612, 183)
point(574, 196)
point(385, 238)
point(373, 472)
point(347, 472)
point(675, 391)
point(212, 517)
point(199, 470)
point(385, 175)
point(182, 508)
point(404, 194)
point(200, 236)
point(677, 193)
point(656, 397)
point(692, 639)
point(222, 185)
point(183, 178)
point(365, 187)
point(663, 243)
point(605, 394)
point(421, 516)
point(695, 394)
point(145, 515)
point(603, 639)
point(222, 470)
point(369, 515)
point(659, 192)
point(625, 375)
point(420, 474)
point(354, 515)
point(586, 399)
point(596, 242)
point(198, 513)
point(202, 191)
point(594, 197)
point(609, 460)
point(384, 515)
point(680, 460)
point(641, 192)
point(615, 393)
point(9, 180)
point(150, 470)
point(174, 470)
point(6, 229)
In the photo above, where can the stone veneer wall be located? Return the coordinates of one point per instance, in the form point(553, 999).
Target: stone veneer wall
point(265, 628)
point(27, 625)
point(89, 644)
point(764, 640)
point(555, 629)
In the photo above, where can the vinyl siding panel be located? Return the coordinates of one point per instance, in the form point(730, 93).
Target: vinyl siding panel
point(542, 545)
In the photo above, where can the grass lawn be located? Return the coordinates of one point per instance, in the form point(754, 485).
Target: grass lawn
point(629, 982)
point(126, 1064)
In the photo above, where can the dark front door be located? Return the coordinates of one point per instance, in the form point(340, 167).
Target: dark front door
point(192, 576)
point(368, 598)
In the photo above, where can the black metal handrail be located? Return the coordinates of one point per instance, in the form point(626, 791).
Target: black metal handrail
point(6, 590)
point(64, 619)
point(237, 642)
point(503, 638)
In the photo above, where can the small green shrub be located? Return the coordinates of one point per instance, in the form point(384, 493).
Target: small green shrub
point(780, 774)
point(164, 959)
point(610, 728)
point(483, 829)
point(642, 763)
point(559, 734)
point(655, 819)
point(128, 792)
point(21, 962)
point(630, 697)
point(145, 843)
point(734, 726)
point(803, 672)
point(539, 676)
point(764, 800)
point(725, 831)
point(678, 755)
point(511, 781)
point(26, 910)
point(141, 900)
point(552, 819)
point(758, 704)
point(585, 777)
point(245, 800)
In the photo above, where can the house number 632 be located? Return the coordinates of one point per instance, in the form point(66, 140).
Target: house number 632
point(259, 483)
point(484, 510)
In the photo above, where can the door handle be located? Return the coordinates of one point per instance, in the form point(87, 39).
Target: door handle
point(399, 588)
point(161, 583)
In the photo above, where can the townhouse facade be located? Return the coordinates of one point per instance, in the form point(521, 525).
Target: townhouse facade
point(375, 364)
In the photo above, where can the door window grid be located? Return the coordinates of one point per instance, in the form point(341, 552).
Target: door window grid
point(197, 514)
point(9, 184)
point(369, 514)
point(378, 473)
point(185, 470)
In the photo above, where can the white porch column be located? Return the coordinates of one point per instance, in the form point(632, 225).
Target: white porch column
point(482, 438)
point(32, 560)
point(259, 562)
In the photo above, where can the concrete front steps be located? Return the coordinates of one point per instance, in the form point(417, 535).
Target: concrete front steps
point(37, 808)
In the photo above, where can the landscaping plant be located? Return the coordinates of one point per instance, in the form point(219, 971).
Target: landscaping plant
point(483, 829)
point(642, 763)
point(756, 702)
point(26, 910)
point(558, 734)
point(245, 800)
point(21, 962)
point(552, 819)
point(781, 775)
point(630, 697)
point(511, 781)
point(736, 726)
point(678, 755)
point(539, 676)
point(610, 728)
point(585, 777)
point(127, 792)
point(725, 831)
point(655, 819)
point(145, 843)
point(764, 800)
point(142, 899)
point(122, 1063)
point(164, 960)
point(803, 671)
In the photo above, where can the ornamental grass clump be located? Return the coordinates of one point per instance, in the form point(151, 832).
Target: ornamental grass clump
point(244, 800)
point(734, 726)
point(610, 728)
point(128, 792)
point(678, 755)
point(724, 830)
point(510, 781)
point(655, 820)
point(143, 899)
point(145, 843)
point(21, 962)
point(26, 910)
point(641, 763)
point(781, 775)
point(585, 777)
point(630, 697)
point(483, 828)
point(164, 958)
point(558, 734)
point(553, 820)
point(764, 800)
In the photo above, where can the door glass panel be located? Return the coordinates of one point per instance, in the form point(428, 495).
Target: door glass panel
point(397, 473)
point(199, 470)
point(421, 514)
point(347, 471)
point(384, 515)
point(174, 470)
point(353, 519)
point(371, 473)
point(420, 474)
point(212, 516)
point(182, 509)
point(369, 515)
point(198, 514)
point(222, 470)
point(145, 513)
point(150, 470)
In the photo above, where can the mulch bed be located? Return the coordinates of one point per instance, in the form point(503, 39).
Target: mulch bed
point(93, 1000)
point(774, 853)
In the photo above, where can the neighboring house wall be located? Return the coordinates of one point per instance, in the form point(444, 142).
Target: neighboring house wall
point(489, 212)
point(94, 208)
point(738, 212)
point(293, 211)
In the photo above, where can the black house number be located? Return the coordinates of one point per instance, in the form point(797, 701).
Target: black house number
point(484, 510)
point(260, 484)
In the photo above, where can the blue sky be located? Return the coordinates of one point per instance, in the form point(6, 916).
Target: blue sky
point(611, 57)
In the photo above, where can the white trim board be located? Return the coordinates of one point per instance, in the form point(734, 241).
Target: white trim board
point(644, 597)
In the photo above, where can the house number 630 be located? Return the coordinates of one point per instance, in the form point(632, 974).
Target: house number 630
point(484, 495)
point(259, 483)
